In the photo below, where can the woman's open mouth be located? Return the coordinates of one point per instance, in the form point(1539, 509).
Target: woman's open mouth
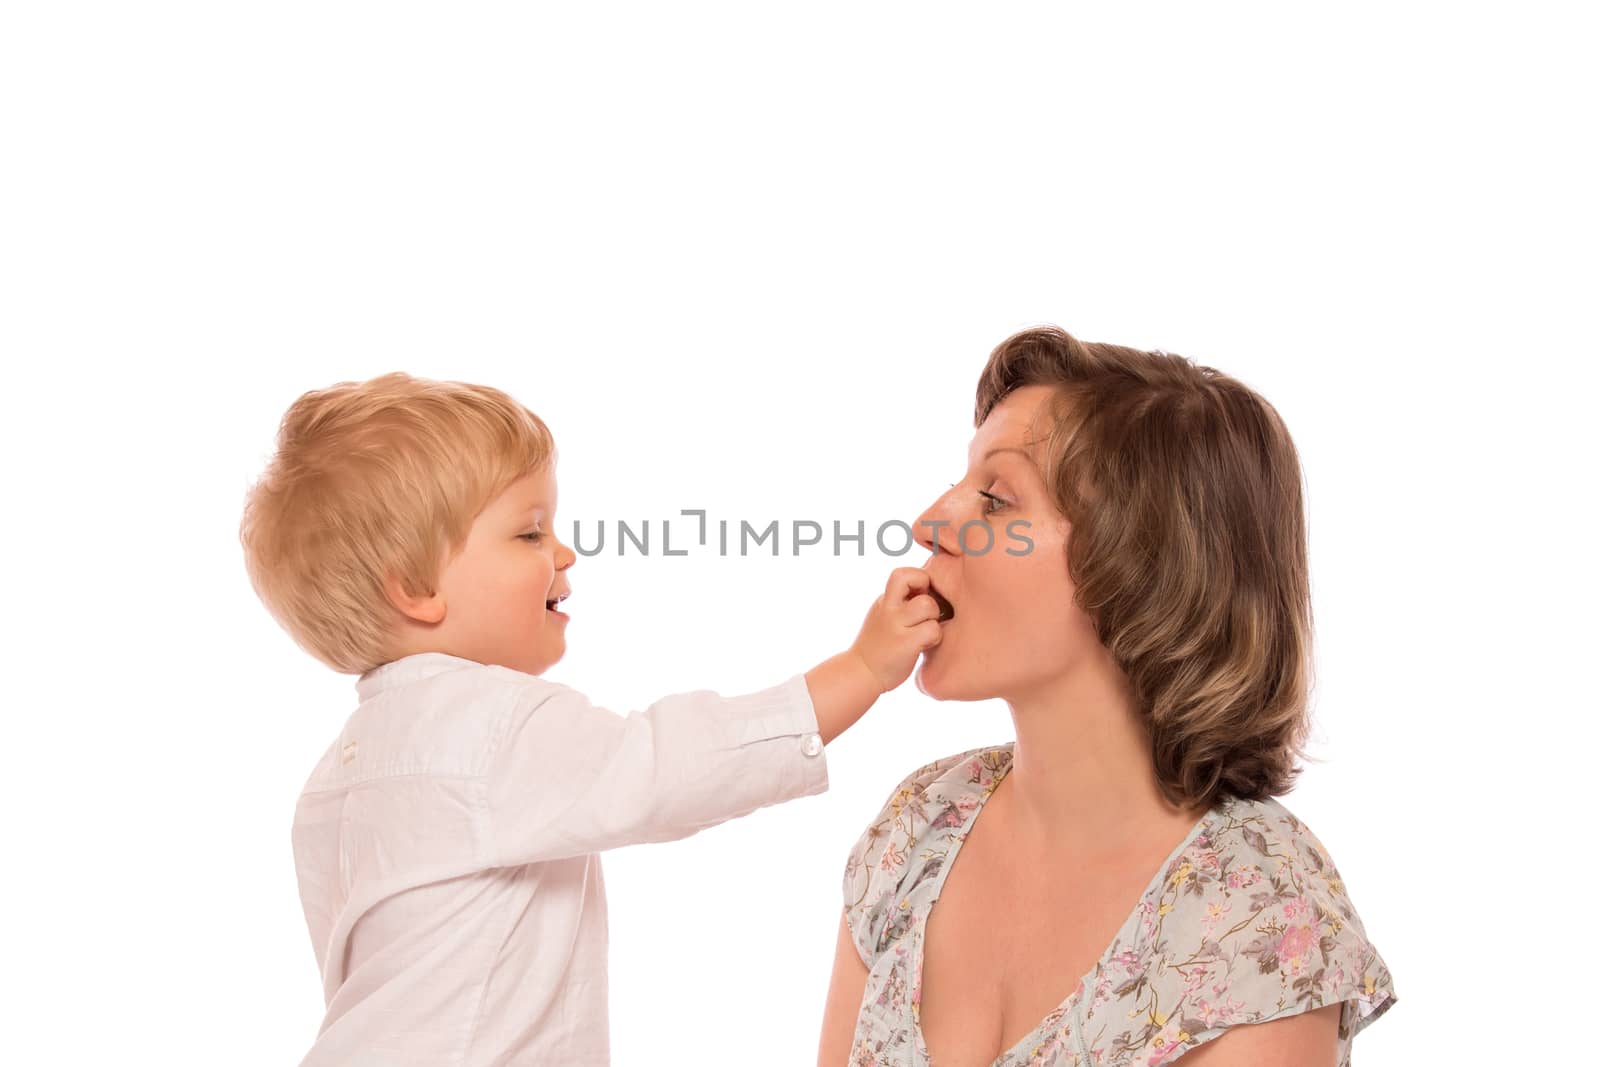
point(947, 610)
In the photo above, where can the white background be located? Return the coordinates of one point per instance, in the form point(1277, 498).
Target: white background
point(751, 259)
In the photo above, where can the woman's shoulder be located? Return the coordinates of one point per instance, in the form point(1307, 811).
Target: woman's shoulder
point(905, 843)
point(1253, 922)
point(1258, 854)
point(962, 773)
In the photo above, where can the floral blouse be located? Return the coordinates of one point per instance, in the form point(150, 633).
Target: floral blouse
point(1246, 922)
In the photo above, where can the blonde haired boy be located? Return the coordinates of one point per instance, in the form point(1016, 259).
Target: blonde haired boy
point(447, 843)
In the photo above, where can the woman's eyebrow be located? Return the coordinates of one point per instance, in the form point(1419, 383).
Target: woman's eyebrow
point(1024, 453)
point(1032, 462)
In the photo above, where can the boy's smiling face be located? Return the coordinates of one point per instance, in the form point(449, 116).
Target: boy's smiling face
point(495, 598)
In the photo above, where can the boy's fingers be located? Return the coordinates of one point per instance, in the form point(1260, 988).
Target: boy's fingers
point(903, 581)
point(921, 608)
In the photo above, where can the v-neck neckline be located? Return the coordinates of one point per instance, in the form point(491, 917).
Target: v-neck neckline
point(1070, 1003)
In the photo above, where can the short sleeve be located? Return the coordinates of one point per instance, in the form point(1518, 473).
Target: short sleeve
point(882, 859)
point(1274, 935)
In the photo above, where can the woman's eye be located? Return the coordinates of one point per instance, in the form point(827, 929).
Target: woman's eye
point(991, 503)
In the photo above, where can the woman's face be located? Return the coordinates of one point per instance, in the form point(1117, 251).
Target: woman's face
point(1015, 627)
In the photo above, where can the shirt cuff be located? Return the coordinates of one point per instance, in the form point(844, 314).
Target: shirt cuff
point(786, 715)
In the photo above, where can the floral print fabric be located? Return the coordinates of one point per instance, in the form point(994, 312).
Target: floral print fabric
point(1246, 922)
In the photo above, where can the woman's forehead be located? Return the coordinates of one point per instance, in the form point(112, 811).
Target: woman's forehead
point(1019, 421)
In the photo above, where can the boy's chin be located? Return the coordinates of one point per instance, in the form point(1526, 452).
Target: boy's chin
point(546, 659)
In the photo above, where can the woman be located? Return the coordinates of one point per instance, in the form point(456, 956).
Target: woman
point(1125, 565)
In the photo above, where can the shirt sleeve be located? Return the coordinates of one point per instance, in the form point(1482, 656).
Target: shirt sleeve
point(1299, 956)
point(878, 863)
point(571, 778)
point(1280, 937)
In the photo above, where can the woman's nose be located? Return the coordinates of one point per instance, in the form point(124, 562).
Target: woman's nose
point(935, 529)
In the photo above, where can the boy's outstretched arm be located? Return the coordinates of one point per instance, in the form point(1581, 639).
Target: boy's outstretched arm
point(568, 778)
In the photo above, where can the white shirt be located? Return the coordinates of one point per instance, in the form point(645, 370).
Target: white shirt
point(446, 850)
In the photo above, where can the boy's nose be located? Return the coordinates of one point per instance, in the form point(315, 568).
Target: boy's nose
point(565, 557)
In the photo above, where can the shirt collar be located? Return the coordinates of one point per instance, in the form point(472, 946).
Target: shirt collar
point(408, 669)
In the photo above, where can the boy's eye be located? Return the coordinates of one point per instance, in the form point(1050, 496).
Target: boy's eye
point(533, 537)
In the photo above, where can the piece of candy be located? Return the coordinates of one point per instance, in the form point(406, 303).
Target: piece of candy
point(947, 610)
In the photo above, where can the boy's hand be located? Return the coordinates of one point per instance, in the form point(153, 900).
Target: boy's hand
point(900, 625)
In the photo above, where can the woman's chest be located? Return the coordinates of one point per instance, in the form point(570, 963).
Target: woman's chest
point(1004, 947)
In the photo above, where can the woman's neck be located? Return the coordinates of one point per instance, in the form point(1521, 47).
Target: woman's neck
point(1082, 781)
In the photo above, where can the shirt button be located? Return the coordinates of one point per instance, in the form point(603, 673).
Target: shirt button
point(812, 745)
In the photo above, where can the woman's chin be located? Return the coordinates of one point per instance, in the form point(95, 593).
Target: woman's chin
point(930, 681)
point(935, 681)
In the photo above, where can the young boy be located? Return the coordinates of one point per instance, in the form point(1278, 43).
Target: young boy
point(447, 843)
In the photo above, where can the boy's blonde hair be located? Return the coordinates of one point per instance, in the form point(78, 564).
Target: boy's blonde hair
point(375, 478)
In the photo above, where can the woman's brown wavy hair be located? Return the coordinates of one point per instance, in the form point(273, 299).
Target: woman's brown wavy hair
point(1187, 548)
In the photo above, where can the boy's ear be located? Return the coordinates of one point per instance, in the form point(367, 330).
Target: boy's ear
point(427, 609)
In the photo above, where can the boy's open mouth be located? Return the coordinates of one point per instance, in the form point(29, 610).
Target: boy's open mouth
point(550, 605)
